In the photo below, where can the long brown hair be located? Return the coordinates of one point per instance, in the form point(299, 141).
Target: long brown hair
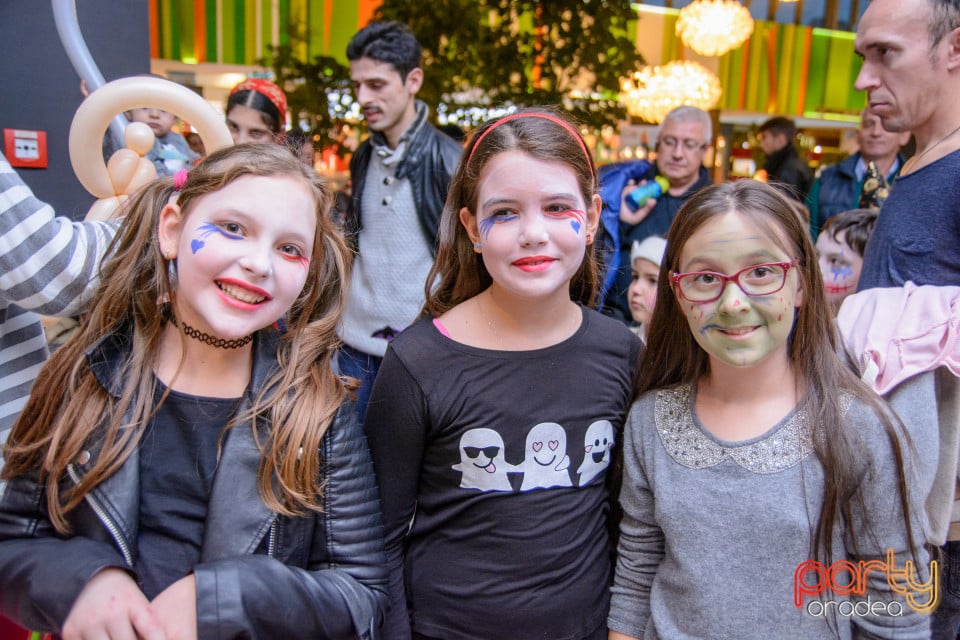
point(69, 410)
point(459, 272)
point(673, 356)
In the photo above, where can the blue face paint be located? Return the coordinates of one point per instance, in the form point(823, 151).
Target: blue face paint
point(206, 229)
point(708, 327)
point(486, 224)
point(841, 273)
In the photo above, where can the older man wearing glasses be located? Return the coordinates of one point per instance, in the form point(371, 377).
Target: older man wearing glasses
point(682, 141)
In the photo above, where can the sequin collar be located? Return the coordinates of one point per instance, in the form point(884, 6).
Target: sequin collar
point(685, 440)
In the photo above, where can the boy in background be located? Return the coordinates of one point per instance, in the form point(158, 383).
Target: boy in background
point(840, 246)
point(170, 152)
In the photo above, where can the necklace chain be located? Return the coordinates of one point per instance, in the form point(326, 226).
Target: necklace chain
point(915, 161)
point(493, 329)
point(213, 341)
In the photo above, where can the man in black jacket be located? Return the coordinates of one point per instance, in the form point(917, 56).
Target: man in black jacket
point(400, 178)
point(784, 166)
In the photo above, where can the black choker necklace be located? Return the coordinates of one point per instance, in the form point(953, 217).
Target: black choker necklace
point(213, 341)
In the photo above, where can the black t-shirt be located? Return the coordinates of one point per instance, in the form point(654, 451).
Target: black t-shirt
point(503, 456)
point(178, 461)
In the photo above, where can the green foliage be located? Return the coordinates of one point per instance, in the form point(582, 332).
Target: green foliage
point(308, 86)
point(488, 52)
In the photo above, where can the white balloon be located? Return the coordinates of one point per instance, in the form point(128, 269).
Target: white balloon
point(96, 111)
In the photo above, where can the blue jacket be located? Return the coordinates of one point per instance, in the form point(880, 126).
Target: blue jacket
point(320, 575)
point(613, 178)
point(617, 274)
point(837, 188)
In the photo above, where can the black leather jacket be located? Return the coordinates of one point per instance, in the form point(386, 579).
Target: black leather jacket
point(260, 576)
point(790, 173)
point(429, 163)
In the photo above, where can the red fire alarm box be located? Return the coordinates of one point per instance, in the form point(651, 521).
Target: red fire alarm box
point(24, 148)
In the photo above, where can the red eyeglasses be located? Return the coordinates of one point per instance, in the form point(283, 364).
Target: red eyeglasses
point(756, 280)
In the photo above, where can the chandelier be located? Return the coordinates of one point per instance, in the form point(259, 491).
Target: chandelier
point(713, 27)
point(651, 93)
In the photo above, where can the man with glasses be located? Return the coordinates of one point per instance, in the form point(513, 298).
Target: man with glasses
point(845, 185)
point(684, 136)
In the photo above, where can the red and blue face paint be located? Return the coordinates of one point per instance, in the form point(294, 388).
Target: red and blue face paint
point(577, 217)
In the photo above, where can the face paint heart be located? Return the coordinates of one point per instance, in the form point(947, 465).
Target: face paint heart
point(196, 245)
point(553, 444)
point(537, 446)
point(575, 225)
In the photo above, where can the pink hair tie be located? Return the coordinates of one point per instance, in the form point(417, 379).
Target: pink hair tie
point(179, 179)
point(543, 116)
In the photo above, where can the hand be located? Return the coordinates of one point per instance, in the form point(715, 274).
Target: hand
point(634, 217)
point(176, 609)
point(112, 606)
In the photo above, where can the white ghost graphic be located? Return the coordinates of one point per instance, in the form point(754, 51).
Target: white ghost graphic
point(597, 444)
point(481, 461)
point(546, 461)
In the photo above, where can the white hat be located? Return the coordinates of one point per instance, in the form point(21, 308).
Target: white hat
point(650, 249)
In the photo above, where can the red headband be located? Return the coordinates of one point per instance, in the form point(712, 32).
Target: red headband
point(268, 90)
point(544, 116)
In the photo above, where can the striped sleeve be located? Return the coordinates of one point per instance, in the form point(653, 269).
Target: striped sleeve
point(48, 264)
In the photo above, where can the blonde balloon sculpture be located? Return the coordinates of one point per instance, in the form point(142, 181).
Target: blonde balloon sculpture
point(127, 169)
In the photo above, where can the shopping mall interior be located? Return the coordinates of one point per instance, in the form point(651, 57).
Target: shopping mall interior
point(795, 59)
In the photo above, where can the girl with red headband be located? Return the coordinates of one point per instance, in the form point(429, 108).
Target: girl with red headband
point(493, 418)
point(256, 111)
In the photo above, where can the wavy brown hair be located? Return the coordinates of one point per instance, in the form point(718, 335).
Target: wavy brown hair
point(674, 357)
point(458, 271)
point(69, 411)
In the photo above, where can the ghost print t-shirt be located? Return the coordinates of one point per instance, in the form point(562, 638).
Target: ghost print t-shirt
point(502, 456)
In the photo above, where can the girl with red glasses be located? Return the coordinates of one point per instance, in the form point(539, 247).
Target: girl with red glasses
point(753, 455)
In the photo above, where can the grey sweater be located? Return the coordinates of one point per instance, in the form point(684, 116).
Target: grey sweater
point(713, 531)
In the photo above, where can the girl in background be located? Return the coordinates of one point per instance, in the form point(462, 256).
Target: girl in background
point(256, 111)
point(182, 469)
point(493, 418)
point(645, 259)
point(753, 451)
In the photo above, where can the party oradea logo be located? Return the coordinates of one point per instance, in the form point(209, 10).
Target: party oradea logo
point(848, 582)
